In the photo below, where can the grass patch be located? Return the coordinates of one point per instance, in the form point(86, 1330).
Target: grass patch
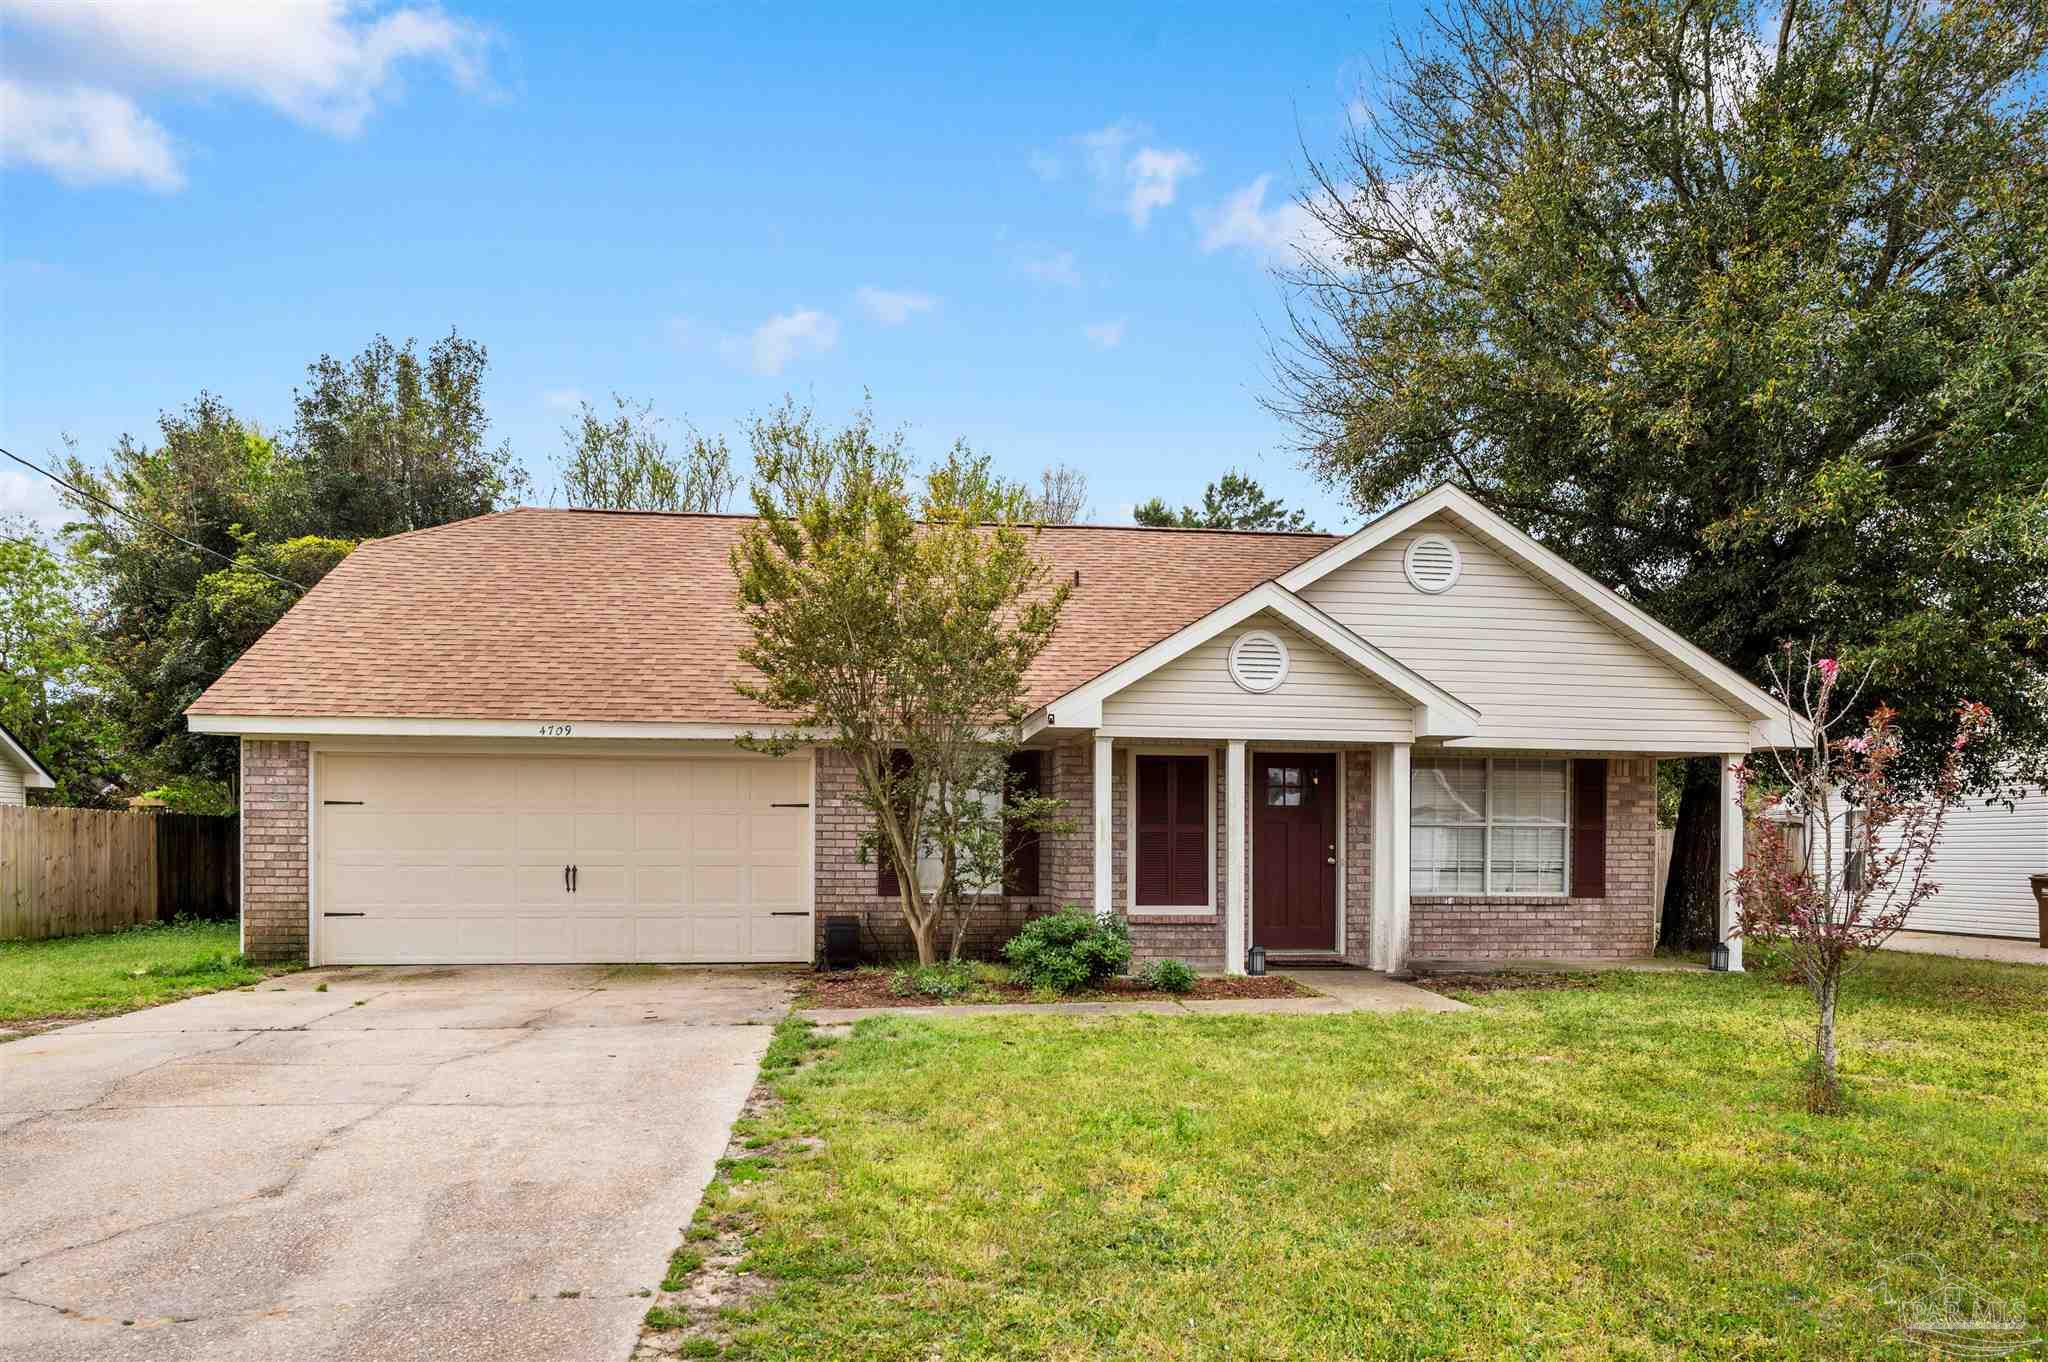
point(1617, 1171)
point(111, 972)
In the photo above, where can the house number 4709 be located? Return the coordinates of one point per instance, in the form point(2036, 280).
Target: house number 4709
point(557, 730)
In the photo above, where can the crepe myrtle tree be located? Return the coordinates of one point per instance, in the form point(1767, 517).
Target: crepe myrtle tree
point(893, 619)
point(1863, 865)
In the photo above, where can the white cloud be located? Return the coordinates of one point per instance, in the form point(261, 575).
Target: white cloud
point(892, 307)
point(1276, 235)
point(1155, 179)
point(325, 63)
point(770, 347)
point(1137, 175)
point(1056, 267)
point(563, 399)
point(85, 137)
point(27, 497)
point(1106, 335)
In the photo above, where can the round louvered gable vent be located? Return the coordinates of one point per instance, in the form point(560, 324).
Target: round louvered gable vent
point(1433, 564)
point(1258, 661)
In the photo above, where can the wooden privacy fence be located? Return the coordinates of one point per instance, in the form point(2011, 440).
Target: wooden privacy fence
point(68, 871)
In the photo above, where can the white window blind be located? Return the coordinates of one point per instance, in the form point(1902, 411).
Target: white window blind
point(1488, 825)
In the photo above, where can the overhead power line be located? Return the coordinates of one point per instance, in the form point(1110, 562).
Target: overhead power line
point(148, 524)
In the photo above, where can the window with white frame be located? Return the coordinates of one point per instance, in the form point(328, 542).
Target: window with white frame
point(1488, 825)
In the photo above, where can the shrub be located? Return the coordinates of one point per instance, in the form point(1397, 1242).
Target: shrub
point(933, 981)
point(1168, 976)
point(1069, 950)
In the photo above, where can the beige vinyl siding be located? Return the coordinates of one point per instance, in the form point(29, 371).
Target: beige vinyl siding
point(12, 788)
point(1322, 699)
point(1541, 671)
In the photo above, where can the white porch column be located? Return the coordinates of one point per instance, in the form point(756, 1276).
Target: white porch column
point(1396, 857)
point(1233, 858)
point(1731, 856)
point(1105, 901)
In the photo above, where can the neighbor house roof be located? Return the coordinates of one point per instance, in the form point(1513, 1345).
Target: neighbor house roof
point(35, 777)
point(630, 618)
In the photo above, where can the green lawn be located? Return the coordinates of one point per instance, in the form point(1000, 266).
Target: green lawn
point(1624, 1171)
point(108, 972)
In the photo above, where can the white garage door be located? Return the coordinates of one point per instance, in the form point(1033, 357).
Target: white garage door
point(516, 859)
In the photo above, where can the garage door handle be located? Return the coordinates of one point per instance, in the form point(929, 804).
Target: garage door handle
point(572, 878)
point(565, 879)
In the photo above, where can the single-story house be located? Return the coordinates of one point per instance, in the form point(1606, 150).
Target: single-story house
point(1983, 867)
point(512, 738)
point(20, 772)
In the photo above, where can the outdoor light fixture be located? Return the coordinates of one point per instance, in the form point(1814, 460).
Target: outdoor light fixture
point(1255, 960)
point(1718, 959)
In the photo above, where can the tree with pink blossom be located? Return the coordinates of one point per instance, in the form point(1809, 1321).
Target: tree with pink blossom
point(1867, 846)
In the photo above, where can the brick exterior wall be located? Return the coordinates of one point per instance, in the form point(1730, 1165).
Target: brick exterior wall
point(1357, 868)
point(274, 849)
point(1622, 924)
point(846, 884)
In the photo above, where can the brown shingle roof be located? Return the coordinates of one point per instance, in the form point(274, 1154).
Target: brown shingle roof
point(631, 617)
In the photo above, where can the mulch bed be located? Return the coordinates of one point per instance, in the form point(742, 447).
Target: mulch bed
point(870, 988)
point(1502, 983)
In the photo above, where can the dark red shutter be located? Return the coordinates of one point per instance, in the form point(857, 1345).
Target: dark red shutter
point(1020, 845)
point(886, 883)
point(1589, 828)
point(1173, 832)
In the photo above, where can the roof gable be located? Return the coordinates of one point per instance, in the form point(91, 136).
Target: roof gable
point(1612, 610)
point(13, 749)
point(1437, 712)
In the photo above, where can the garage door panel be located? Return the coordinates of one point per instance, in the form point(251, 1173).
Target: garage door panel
point(779, 782)
point(543, 885)
point(779, 938)
point(603, 832)
point(471, 832)
point(603, 938)
point(719, 936)
point(601, 884)
point(351, 885)
point(778, 831)
point(777, 888)
point(661, 886)
point(659, 832)
point(715, 886)
point(458, 857)
point(544, 939)
point(537, 832)
point(715, 832)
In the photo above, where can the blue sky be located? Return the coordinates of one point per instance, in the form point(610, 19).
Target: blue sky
point(1050, 234)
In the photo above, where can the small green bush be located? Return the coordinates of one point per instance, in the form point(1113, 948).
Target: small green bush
point(1069, 950)
point(1168, 976)
point(947, 980)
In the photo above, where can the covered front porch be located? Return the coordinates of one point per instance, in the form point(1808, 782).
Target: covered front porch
point(1389, 856)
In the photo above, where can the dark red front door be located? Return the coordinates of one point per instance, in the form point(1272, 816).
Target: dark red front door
point(1294, 851)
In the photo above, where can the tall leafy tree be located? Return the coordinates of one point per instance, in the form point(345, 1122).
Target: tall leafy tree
point(1234, 502)
point(391, 441)
point(196, 544)
point(193, 500)
point(1742, 308)
point(625, 463)
point(49, 668)
point(895, 623)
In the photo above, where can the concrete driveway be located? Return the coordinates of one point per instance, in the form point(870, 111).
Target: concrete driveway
point(484, 1162)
